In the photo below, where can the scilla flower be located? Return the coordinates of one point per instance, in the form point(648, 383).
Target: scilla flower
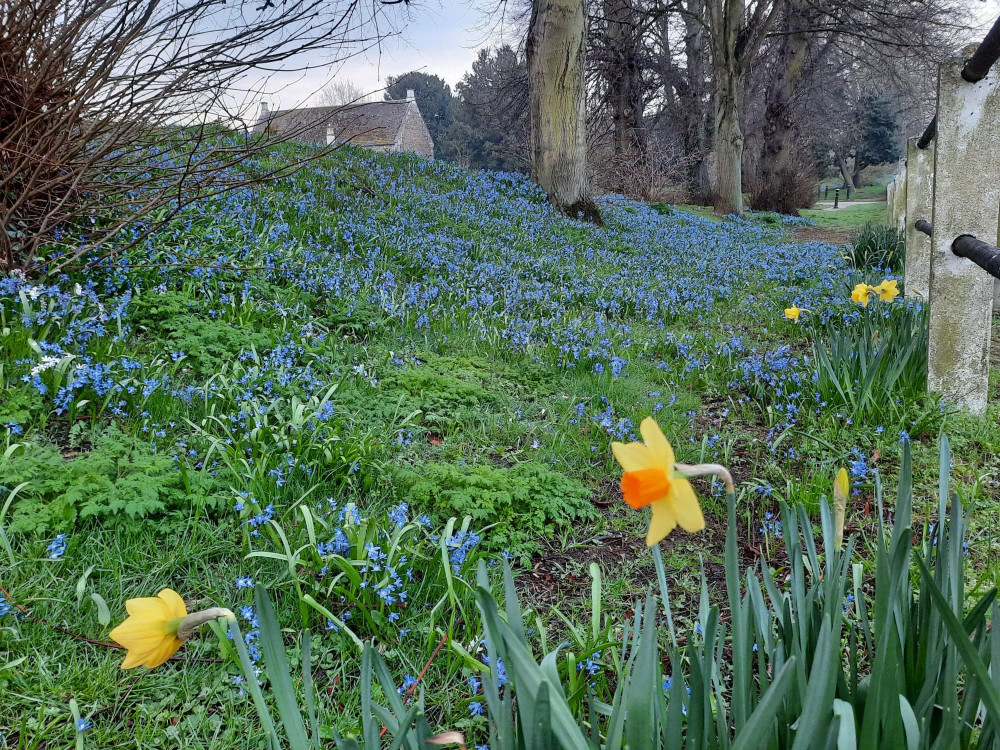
point(650, 478)
point(157, 626)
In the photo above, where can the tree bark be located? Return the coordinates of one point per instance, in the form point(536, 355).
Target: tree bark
point(735, 39)
point(846, 165)
point(725, 19)
point(778, 186)
point(695, 102)
point(728, 144)
point(623, 77)
point(556, 52)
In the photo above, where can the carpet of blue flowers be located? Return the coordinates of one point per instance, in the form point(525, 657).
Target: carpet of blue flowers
point(356, 382)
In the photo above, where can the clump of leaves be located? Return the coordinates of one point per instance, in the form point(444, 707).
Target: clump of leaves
point(449, 390)
point(175, 322)
point(877, 246)
point(525, 503)
point(875, 366)
point(119, 477)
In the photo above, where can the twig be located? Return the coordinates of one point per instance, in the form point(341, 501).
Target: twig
point(410, 690)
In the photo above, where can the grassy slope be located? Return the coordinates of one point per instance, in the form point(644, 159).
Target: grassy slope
point(507, 335)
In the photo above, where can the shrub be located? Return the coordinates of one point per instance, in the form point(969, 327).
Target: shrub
point(524, 504)
point(877, 246)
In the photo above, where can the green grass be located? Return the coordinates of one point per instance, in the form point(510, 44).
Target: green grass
point(850, 217)
point(874, 191)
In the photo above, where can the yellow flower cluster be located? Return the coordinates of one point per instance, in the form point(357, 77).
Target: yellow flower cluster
point(887, 291)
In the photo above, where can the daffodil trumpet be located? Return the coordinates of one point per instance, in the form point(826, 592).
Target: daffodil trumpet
point(157, 626)
point(653, 478)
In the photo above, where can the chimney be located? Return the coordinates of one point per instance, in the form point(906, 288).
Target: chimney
point(410, 96)
point(264, 111)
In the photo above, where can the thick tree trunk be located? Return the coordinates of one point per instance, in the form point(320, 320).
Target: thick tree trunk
point(725, 21)
point(779, 187)
point(556, 51)
point(728, 141)
point(696, 114)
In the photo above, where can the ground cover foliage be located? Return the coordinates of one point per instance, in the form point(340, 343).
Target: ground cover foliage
point(355, 384)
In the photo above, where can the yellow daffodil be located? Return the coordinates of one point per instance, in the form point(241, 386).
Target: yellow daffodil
point(888, 290)
point(650, 479)
point(861, 294)
point(793, 313)
point(157, 626)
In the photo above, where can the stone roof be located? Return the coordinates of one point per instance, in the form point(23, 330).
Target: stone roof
point(370, 124)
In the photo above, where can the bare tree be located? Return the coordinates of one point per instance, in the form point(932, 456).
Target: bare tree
point(115, 114)
point(342, 92)
point(557, 93)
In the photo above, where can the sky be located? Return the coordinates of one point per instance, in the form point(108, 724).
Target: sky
point(440, 37)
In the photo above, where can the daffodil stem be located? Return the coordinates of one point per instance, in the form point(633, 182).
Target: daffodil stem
point(689, 471)
point(195, 620)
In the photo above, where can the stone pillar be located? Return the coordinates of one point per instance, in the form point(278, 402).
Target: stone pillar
point(919, 205)
point(966, 201)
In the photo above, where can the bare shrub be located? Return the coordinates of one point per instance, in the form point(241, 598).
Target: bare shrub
point(117, 113)
point(658, 175)
point(784, 190)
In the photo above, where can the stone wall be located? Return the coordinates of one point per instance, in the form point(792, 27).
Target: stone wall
point(414, 135)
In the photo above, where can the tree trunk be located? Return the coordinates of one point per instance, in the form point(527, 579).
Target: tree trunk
point(846, 165)
point(696, 113)
point(856, 176)
point(728, 141)
point(779, 187)
point(623, 77)
point(725, 19)
point(556, 51)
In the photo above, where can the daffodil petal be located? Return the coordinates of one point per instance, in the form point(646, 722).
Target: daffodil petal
point(686, 507)
point(139, 633)
point(134, 659)
point(174, 602)
point(662, 522)
point(657, 442)
point(150, 607)
point(161, 654)
point(633, 456)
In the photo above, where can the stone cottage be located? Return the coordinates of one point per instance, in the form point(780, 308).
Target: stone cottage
point(394, 125)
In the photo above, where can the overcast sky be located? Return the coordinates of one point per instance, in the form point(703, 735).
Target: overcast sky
point(437, 36)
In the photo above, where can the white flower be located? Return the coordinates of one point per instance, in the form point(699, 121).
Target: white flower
point(47, 363)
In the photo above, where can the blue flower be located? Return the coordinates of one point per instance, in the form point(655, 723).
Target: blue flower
point(57, 547)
